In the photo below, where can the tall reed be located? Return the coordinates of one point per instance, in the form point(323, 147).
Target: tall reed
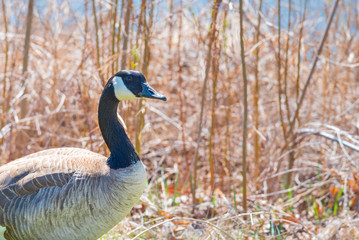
point(285, 77)
point(291, 142)
point(215, 70)
point(97, 39)
point(25, 61)
point(113, 41)
point(300, 36)
point(22, 137)
point(84, 86)
point(4, 96)
point(118, 36)
point(211, 36)
point(228, 99)
point(140, 120)
point(126, 34)
point(181, 97)
point(245, 110)
point(279, 74)
point(256, 99)
point(307, 82)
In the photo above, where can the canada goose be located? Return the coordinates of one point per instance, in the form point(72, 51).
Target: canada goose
point(72, 193)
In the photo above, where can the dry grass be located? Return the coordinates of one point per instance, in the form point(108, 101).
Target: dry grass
point(69, 60)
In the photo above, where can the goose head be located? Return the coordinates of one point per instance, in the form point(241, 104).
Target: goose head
point(124, 85)
point(129, 84)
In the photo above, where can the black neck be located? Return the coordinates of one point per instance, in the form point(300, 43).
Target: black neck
point(123, 153)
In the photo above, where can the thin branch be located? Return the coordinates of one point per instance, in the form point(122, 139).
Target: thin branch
point(311, 131)
point(309, 77)
point(25, 61)
point(285, 80)
point(126, 34)
point(256, 99)
point(245, 110)
point(97, 42)
point(211, 35)
point(279, 76)
point(4, 104)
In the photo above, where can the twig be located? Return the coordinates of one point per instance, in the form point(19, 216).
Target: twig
point(325, 34)
point(329, 136)
point(301, 98)
point(186, 219)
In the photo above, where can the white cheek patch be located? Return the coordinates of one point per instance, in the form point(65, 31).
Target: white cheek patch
point(121, 91)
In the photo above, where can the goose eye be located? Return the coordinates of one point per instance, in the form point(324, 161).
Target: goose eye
point(128, 78)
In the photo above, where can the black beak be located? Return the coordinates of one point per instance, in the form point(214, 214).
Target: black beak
point(149, 92)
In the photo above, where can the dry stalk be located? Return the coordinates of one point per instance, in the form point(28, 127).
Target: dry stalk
point(215, 70)
point(126, 34)
point(291, 157)
point(118, 36)
point(285, 77)
point(306, 84)
point(310, 131)
point(299, 48)
point(25, 62)
point(256, 100)
point(279, 76)
point(211, 35)
point(113, 43)
point(84, 88)
point(291, 143)
point(4, 96)
point(103, 46)
point(97, 42)
point(171, 31)
point(312, 68)
point(22, 137)
point(141, 21)
point(228, 102)
point(181, 97)
point(145, 64)
point(245, 110)
point(140, 120)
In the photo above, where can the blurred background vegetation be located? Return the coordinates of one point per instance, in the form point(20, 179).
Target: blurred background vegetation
point(301, 136)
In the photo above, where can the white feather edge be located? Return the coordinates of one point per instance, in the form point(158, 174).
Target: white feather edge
point(121, 121)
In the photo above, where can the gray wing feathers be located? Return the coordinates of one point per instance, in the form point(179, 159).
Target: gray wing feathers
point(44, 171)
point(66, 194)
